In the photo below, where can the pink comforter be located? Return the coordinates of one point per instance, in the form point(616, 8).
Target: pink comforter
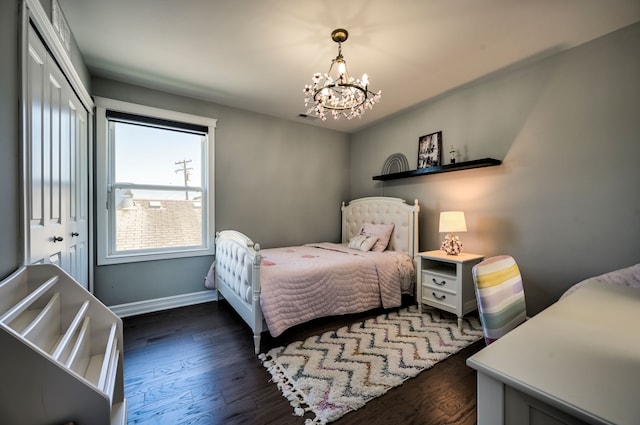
point(302, 283)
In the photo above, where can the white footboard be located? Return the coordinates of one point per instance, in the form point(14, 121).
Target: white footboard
point(237, 275)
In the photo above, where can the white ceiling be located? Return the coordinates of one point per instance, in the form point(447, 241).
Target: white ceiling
point(258, 54)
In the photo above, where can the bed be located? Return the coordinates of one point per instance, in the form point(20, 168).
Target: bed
point(277, 288)
point(627, 276)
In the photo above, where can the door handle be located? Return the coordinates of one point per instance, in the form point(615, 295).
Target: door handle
point(57, 239)
point(75, 234)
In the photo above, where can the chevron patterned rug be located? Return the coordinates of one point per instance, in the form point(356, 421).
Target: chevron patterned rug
point(339, 371)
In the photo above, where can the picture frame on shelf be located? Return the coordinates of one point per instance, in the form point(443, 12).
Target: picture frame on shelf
point(430, 150)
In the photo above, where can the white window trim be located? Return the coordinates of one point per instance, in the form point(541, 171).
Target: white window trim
point(104, 257)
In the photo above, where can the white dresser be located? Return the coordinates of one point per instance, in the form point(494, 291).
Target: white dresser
point(576, 362)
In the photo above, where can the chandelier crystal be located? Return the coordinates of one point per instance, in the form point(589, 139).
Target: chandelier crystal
point(337, 91)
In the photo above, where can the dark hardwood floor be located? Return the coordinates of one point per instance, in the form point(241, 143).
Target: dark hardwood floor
point(195, 365)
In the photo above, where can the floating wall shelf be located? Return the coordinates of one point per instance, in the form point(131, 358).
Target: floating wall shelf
point(477, 163)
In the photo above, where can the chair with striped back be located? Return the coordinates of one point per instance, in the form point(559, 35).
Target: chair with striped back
point(500, 296)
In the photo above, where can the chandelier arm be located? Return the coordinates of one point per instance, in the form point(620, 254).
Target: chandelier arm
point(337, 89)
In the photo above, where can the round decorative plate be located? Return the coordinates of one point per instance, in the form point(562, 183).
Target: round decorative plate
point(396, 163)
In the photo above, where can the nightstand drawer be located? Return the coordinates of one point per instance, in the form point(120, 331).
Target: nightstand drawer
point(439, 281)
point(438, 298)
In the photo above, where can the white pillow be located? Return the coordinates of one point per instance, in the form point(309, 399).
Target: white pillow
point(380, 231)
point(362, 242)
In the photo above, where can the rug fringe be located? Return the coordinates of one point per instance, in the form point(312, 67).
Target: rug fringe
point(286, 385)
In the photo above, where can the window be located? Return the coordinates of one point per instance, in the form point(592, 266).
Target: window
point(154, 179)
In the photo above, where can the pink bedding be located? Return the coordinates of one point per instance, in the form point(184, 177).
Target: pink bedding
point(302, 283)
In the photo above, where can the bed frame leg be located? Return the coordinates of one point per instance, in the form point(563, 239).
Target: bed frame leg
point(256, 343)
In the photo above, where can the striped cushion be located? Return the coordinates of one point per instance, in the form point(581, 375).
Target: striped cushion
point(500, 295)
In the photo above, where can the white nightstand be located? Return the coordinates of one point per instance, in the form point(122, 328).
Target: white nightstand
point(445, 281)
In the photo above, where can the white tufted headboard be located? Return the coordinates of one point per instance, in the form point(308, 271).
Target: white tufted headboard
point(384, 210)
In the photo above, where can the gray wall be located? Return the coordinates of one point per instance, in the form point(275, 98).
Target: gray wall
point(565, 203)
point(277, 181)
point(11, 240)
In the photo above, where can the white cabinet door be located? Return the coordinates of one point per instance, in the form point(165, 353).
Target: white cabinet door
point(44, 150)
point(55, 167)
point(77, 200)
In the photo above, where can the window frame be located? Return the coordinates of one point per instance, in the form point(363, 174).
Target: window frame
point(105, 220)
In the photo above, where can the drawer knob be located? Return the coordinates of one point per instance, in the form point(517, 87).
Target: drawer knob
point(444, 282)
point(441, 297)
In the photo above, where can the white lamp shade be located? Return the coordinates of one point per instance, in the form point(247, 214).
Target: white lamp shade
point(452, 221)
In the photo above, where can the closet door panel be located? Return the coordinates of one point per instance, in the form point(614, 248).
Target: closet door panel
point(57, 185)
point(77, 201)
point(36, 152)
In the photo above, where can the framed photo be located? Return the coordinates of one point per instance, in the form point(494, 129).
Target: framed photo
point(430, 150)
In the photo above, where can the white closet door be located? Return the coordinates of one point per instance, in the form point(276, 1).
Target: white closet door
point(44, 167)
point(56, 167)
point(77, 208)
point(35, 163)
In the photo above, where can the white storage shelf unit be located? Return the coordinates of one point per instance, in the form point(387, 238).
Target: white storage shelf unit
point(62, 358)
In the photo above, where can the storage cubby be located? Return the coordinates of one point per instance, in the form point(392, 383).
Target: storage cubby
point(61, 349)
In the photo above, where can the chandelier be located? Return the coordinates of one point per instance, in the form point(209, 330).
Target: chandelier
point(337, 91)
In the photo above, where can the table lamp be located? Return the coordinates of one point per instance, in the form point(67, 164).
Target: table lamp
point(450, 222)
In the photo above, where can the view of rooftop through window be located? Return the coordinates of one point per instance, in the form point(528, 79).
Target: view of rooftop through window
point(152, 168)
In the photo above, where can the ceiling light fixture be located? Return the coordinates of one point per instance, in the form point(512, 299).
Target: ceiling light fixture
point(340, 93)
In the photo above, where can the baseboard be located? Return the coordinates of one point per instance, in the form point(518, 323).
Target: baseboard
point(159, 304)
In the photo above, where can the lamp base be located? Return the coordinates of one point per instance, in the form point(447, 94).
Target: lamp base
point(451, 245)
